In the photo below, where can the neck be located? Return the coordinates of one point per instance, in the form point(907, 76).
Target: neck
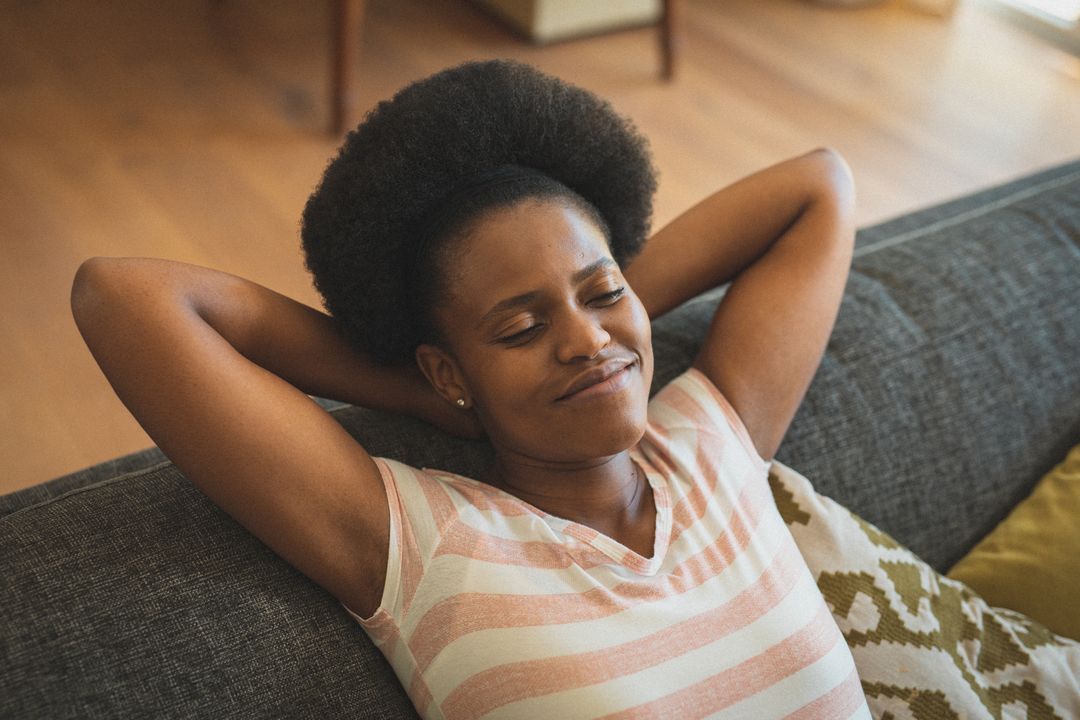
point(604, 494)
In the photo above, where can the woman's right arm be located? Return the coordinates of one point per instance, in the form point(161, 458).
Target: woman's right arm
point(217, 370)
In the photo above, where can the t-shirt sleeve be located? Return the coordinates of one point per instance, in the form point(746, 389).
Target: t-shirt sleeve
point(417, 509)
point(692, 401)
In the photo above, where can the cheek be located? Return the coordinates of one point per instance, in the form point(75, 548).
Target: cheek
point(641, 328)
point(510, 402)
point(502, 381)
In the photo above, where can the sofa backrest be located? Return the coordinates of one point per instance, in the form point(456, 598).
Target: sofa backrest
point(949, 386)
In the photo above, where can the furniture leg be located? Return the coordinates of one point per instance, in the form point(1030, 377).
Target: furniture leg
point(346, 23)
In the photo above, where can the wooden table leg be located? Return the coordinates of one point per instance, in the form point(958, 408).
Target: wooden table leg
point(670, 39)
point(347, 20)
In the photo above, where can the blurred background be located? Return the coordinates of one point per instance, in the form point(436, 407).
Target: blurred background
point(194, 130)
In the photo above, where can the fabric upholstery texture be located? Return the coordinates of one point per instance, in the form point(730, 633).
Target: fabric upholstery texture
point(925, 646)
point(949, 387)
point(140, 597)
point(1031, 561)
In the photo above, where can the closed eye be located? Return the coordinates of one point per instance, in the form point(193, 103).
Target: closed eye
point(609, 298)
point(520, 338)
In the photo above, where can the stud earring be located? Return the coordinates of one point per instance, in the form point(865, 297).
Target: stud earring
point(460, 402)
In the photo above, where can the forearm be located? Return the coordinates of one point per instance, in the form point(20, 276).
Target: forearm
point(807, 197)
point(295, 342)
point(306, 347)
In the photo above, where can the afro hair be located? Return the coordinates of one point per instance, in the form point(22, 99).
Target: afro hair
point(363, 223)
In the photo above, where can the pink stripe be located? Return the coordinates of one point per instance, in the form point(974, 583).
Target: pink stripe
point(458, 538)
point(467, 542)
point(682, 398)
point(382, 630)
point(497, 686)
point(412, 566)
point(443, 511)
point(736, 421)
point(688, 403)
point(658, 442)
point(802, 649)
point(419, 693)
point(711, 453)
point(692, 507)
point(464, 613)
point(485, 500)
point(840, 702)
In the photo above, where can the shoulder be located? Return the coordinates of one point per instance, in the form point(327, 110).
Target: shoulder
point(424, 506)
point(421, 495)
point(429, 501)
point(691, 409)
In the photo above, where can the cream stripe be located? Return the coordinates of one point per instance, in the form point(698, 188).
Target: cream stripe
point(690, 398)
point(474, 653)
point(510, 528)
point(750, 677)
point(846, 701)
point(524, 580)
point(788, 695)
point(735, 421)
point(730, 458)
point(391, 595)
point(460, 614)
point(415, 503)
point(697, 394)
point(703, 531)
point(695, 666)
point(494, 579)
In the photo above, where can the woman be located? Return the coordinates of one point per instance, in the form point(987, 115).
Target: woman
point(473, 242)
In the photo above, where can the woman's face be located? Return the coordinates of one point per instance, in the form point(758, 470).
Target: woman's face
point(545, 338)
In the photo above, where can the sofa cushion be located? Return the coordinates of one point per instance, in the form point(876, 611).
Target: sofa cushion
point(1031, 561)
point(924, 645)
point(137, 597)
point(950, 384)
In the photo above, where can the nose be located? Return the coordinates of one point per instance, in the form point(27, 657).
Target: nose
point(582, 337)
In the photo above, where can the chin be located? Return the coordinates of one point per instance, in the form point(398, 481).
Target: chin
point(618, 444)
point(615, 431)
point(596, 429)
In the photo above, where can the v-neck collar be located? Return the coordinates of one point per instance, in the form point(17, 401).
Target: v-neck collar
point(611, 547)
point(596, 540)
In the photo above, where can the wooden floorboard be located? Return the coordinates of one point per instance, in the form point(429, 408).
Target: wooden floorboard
point(193, 131)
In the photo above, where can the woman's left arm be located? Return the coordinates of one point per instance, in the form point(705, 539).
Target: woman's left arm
point(784, 238)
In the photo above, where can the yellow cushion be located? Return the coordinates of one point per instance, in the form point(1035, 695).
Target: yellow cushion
point(1031, 561)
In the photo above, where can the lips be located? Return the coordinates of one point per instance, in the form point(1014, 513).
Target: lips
point(595, 376)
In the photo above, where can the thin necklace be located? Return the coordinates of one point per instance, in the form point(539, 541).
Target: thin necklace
point(638, 484)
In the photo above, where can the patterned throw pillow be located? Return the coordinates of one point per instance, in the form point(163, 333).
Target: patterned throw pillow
point(925, 646)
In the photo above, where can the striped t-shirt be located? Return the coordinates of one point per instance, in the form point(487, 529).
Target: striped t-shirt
point(493, 608)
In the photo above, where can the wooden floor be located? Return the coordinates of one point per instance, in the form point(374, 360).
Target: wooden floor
point(193, 130)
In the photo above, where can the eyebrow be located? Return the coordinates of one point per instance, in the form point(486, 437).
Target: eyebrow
point(525, 298)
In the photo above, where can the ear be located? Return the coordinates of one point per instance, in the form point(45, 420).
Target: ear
point(442, 371)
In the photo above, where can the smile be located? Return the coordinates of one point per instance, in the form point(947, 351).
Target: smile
point(616, 382)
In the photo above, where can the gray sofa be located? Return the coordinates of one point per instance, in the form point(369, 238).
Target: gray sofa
point(950, 385)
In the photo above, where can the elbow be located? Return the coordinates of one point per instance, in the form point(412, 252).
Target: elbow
point(87, 288)
point(837, 188)
point(839, 178)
